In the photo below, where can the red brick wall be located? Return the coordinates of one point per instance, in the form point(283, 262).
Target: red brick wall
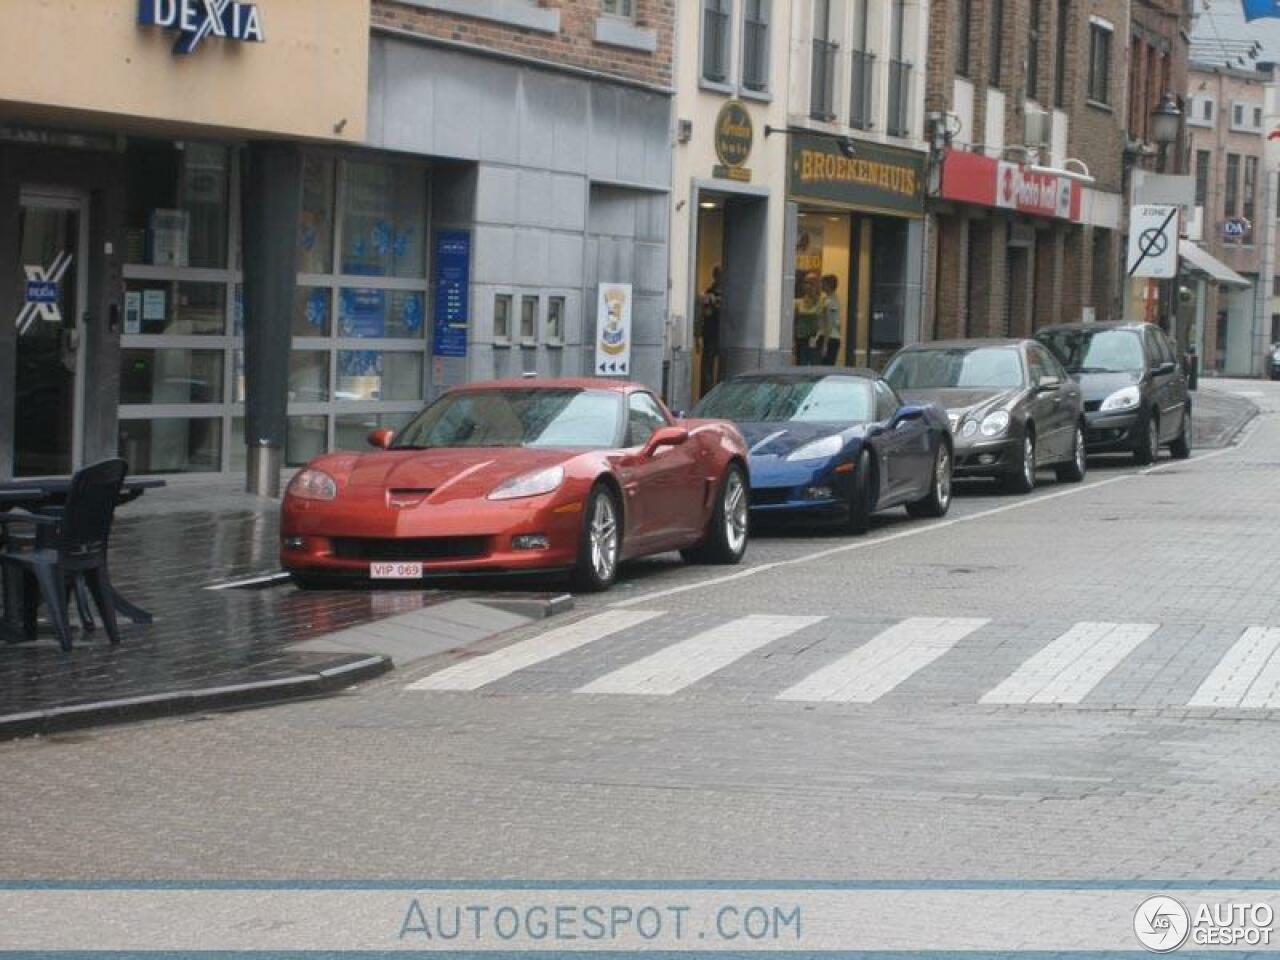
point(573, 46)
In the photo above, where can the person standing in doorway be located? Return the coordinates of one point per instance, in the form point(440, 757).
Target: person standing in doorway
point(830, 330)
point(808, 308)
point(709, 331)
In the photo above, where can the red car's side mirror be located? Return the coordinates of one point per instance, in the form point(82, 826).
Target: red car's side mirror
point(664, 437)
point(381, 438)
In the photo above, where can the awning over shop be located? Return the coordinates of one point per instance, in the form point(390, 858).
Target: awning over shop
point(1202, 262)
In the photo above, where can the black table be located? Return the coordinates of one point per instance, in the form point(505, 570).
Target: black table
point(33, 495)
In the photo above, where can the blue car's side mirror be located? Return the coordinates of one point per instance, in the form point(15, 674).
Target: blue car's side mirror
point(907, 413)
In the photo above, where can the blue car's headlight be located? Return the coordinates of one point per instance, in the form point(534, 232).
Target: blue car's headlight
point(822, 449)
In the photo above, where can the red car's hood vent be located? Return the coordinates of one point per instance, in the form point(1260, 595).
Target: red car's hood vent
point(405, 478)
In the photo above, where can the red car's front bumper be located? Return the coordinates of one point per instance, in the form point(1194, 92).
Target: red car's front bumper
point(330, 540)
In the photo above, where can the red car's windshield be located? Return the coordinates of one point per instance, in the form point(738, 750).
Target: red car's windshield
point(537, 417)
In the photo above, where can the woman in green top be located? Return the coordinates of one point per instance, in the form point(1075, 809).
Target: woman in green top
point(808, 308)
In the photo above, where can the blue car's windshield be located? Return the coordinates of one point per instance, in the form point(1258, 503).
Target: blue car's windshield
point(833, 399)
point(516, 418)
point(975, 368)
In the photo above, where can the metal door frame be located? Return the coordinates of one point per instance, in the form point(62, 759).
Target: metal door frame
point(69, 198)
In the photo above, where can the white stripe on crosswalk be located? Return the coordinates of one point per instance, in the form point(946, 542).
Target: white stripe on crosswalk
point(1247, 676)
point(473, 674)
point(673, 668)
point(879, 665)
point(1072, 665)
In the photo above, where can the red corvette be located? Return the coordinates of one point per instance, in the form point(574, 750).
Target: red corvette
point(521, 476)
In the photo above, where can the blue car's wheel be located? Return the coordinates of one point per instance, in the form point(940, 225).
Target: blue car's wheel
point(862, 499)
point(938, 500)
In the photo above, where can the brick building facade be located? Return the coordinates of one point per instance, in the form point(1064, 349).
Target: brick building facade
point(1030, 100)
point(584, 37)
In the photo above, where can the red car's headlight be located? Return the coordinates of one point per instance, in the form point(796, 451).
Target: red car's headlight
point(313, 484)
point(529, 484)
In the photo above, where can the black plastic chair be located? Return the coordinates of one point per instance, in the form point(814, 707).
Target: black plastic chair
point(69, 552)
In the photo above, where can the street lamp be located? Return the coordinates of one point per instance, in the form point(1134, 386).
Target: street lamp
point(1166, 121)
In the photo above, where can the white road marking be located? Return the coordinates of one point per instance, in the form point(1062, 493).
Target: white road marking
point(279, 576)
point(476, 673)
point(1072, 665)
point(867, 543)
point(1247, 676)
point(673, 668)
point(873, 669)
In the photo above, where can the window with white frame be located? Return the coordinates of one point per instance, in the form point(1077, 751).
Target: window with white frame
point(618, 8)
point(1200, 113)
point(755, 44)
point(1245, 117)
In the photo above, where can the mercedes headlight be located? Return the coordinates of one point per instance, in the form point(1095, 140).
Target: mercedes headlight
point(312, 484)
point(529, 484)
point(1125, 399)
point(822, 449)
point(995, 424)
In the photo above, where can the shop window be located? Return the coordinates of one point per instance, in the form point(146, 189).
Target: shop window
point(365, 375)
point(371, 312)
point(383, 214)
point(502, 318)
point(351, 430)
point(171, 376)
point(312, 312)
point(528, 320)
point(178, 204)
point(177, 309)
point(555, 321)
point(305, 439)
point(308, 376)
point(1099, 62)
point(755, 45)
point(172, 444)
point(315, 219)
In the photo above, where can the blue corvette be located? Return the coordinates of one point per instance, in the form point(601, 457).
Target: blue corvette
point(836, 442)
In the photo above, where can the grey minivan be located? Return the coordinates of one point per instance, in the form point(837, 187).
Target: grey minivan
point(1135, 391)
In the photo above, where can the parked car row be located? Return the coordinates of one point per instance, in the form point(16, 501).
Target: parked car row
point(576, 476)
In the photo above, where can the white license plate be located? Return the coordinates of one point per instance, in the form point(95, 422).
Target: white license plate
point(395, 571)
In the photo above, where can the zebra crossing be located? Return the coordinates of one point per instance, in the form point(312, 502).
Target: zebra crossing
point(818, 659)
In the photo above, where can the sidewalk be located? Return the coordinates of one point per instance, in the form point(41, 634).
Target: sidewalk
point(1219, 413)
point(215, 649)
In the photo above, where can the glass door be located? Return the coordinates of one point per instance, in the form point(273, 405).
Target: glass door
point(51, 233)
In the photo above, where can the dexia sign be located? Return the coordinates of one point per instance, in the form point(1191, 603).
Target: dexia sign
point(197, 19)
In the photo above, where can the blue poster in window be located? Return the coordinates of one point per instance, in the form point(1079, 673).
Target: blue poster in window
point(363, 312)
point(453, 293)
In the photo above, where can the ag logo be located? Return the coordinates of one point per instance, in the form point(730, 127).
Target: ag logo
point(1161, 924)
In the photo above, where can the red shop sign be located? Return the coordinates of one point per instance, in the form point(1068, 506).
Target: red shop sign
point(974, 178)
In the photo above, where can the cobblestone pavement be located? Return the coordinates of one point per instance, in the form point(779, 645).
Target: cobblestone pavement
point(1082, 684)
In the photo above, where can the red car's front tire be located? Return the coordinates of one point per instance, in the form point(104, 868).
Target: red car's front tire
point(600, 542)
point(726, 538)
